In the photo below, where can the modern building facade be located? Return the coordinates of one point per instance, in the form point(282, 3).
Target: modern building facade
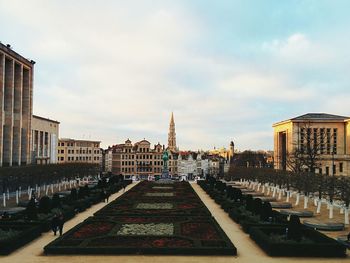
point(141, 160)
point(328, 134)
point(79, 151)
point(44, 141)
point(16, 98)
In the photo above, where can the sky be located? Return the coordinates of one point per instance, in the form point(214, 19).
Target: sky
point(112, 70)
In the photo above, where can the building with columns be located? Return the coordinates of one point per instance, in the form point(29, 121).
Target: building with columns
point(44, 140)
point(327, 134)
point(16, 93)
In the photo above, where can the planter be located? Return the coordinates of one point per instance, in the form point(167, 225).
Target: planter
point(313, 243)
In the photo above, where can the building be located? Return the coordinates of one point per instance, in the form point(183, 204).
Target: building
point(192, 164)
point(16, 99)
point(79, 151)
point(223, 152)
point(327, 135)
point(172, 135)
point(141, 160)
point(107, 157)
point(44, 140)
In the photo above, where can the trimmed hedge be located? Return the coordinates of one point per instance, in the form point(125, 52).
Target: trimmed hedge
point(314, 243)
point(26, 233)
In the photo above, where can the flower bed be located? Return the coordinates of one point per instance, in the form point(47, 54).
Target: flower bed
point(144, 235)
point(137, 223)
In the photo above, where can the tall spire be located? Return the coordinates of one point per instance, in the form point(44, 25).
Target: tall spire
point(172, 134)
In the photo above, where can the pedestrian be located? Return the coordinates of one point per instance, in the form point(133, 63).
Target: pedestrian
point(60, 223)
point(349, 237)
point(54, 224)
point(124, 185)
point(107, 195)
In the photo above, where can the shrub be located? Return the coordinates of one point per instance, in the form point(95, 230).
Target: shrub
point(266, 211)
point(294, 228)
point(31, 210)
point(45, 204)
point(73, 194)
point(56, 201)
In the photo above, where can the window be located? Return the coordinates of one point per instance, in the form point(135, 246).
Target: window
point(340, 167)
point(320, 170)
point(335, 134)
point(327, 170)
point(334, 169)
point(322, 137)
point(328, 141)
point(62, 158)
point(302, 139)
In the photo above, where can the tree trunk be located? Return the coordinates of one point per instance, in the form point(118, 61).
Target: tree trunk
point(279, 195)
point(341, 211)
point(258, 189)
point(331, 211)
point(346, 215)
point(263, 189)
point(315, 201)
point(268, 190)
point(306, 200)
point(318, 211)
point(274, 191)
point(287, 199)
point(297, 199)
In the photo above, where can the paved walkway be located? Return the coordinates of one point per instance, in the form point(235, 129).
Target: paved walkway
point(248, 251)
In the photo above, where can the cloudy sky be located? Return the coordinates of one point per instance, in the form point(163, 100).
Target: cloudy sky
point(112, 70)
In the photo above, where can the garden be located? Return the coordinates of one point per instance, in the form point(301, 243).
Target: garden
point(278, 234)
point(20, 228)
point(150, 218)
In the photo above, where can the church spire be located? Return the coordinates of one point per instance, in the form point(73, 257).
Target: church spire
point(172, 134)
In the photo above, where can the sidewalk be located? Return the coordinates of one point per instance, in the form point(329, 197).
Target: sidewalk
point(248, 251)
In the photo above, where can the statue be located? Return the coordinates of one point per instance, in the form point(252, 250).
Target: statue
point(165, 158)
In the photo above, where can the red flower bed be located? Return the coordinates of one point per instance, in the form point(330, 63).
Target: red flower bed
point(204, 231)
point(93, 229)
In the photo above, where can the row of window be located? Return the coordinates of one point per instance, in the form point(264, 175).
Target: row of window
point(334, 169)
point(71, 144)
point(319, 140)
point(80, 151)
point(145, 169)
point(79, 158)
point(143, 156)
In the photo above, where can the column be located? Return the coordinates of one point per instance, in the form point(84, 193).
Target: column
point(26, 115)
point(8, 110)
point(2, 68)
point(17, 115)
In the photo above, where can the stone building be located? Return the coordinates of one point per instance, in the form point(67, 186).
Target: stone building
point(44, 140)
point(223, 152)
point(328, 134)
point(79, 151)
point(141, 160)
point(16, 93)
point(107, 158)
point(192, 164)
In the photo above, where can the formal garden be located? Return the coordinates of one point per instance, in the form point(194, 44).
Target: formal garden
point(152, 218)
point(23, 225)
point(248, 198)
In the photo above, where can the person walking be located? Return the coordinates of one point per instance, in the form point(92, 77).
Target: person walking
point(60, 223)
point(54, 224)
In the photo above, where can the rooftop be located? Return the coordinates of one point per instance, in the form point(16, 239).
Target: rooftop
point(315, 117)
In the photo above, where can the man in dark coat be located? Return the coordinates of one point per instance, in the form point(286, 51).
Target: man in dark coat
point(54, 224)
point(60, 223)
